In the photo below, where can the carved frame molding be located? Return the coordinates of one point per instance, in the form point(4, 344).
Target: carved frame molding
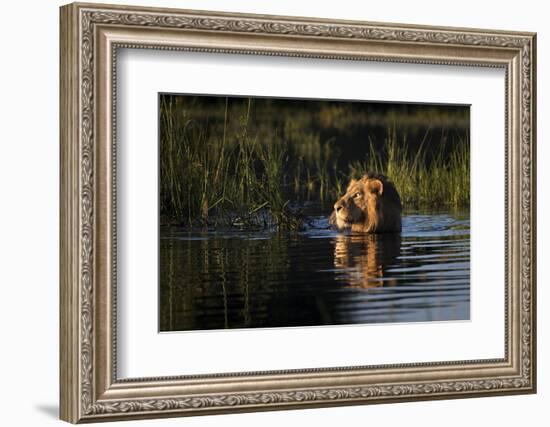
point(90, 37)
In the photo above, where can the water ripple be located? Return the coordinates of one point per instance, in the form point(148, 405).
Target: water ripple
point(239, 279)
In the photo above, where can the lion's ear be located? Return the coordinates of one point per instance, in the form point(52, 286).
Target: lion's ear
point(376, 186)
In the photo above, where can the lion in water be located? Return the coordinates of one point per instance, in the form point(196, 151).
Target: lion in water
point(370, 205)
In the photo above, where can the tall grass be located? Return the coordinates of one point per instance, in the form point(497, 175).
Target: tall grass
point(230, 179)
point(426, 178)
point(236, 175)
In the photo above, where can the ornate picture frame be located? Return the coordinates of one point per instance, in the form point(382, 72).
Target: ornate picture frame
point(90, 37)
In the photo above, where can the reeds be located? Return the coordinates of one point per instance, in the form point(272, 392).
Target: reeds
point(237, 175)
point(427, 178)
point(231, 179)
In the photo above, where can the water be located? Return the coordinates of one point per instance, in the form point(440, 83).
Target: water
point(232, 279)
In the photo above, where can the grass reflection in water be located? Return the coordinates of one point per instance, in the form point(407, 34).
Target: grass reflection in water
point(221, 280)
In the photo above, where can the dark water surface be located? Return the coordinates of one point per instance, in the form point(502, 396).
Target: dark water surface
point(233, 279)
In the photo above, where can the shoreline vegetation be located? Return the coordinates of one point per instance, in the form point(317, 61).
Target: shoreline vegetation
point(223, 165)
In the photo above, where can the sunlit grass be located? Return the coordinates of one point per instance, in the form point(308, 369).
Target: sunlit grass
point(237, 176)
point(428, 178)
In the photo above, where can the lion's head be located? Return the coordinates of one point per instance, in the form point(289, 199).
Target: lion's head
point(370, 205)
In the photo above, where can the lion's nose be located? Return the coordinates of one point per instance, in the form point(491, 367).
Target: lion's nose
point(338, 206)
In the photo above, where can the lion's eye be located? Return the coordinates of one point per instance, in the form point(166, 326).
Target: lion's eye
point(356, 195)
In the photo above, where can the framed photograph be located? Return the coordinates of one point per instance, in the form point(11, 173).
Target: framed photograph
point(266, 212)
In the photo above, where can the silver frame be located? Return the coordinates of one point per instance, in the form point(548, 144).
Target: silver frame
point(90, 37)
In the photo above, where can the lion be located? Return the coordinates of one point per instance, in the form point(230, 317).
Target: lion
point(370, 205)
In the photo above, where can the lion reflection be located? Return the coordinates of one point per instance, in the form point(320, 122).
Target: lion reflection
point(363, 258)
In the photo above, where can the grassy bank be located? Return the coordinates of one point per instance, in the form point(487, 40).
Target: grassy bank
point(426, 178)
point(235, 173)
